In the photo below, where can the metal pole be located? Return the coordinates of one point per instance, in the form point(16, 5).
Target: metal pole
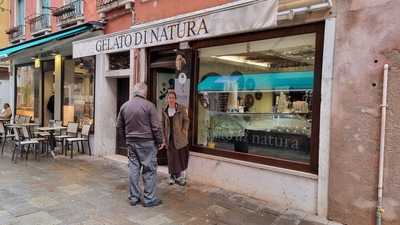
point(379, 208)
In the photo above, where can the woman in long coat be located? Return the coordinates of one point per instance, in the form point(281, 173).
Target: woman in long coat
point(175, 121)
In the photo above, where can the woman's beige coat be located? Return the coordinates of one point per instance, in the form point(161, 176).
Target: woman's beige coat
point(181, 126)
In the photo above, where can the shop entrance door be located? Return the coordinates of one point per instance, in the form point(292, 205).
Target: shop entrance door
point(122, 97)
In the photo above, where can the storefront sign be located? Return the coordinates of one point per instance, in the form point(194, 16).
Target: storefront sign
point(182, 91)
point(238, 17)
point(279, 140)
point(267, 139)
point(184, 70)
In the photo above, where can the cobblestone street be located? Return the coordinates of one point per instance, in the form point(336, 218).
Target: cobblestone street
point(93, 191)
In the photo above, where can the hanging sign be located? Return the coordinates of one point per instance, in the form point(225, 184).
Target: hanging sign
point(237, 17)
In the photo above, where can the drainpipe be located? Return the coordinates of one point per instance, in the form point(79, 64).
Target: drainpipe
point(379, 208)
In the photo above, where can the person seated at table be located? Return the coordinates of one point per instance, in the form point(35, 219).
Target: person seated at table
point(6, 112)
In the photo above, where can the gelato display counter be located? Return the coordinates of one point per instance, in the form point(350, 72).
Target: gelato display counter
point(268, 134)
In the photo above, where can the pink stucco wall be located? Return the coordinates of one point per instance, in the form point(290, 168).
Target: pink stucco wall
point(367, 37)
point(158, 9)
point(117, 20)
point(90, 11)
point(30, 11)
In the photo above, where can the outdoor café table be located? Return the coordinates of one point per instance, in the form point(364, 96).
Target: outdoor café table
point(51, 130)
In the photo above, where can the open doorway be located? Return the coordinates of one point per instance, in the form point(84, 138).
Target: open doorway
point(122, 97)
point(162, 77)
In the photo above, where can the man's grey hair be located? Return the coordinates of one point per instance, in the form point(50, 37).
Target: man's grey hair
point(140, 89)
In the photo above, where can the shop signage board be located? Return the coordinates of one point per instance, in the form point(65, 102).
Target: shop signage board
point(232, 18)
point(184, 70)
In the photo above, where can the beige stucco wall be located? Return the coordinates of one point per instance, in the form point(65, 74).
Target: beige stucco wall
point(4, 23)
point(367, 37)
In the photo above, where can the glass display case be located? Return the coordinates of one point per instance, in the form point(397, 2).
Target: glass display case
point(268, 134)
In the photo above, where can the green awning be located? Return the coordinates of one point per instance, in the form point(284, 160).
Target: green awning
point(59, 35)
point(290, 81)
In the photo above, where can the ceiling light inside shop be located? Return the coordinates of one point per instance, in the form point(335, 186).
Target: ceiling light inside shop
point(243, 60)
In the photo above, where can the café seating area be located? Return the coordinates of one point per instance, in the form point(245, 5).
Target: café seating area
point(24, 139)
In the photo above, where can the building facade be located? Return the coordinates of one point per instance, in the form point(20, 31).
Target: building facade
point(48, 84)
point(237, 77)
point(5, 88)
point(287, 111)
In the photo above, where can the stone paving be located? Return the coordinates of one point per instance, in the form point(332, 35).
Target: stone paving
point(93, 191)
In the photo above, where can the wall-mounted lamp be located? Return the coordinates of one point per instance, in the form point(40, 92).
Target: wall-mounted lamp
point(57, 57)
point(37, 63)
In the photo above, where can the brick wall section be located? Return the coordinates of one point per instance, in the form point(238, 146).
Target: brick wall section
point(118, 20)
point(90, 11)
point(367, 37)
point(149, 10)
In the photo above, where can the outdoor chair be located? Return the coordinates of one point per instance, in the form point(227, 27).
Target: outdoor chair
point(27, 119)
point(72, 131)
point(5, 134)
point(19, 119)
point(44, 142)
point(20, 144)
point(79, 141)
point(16, 118)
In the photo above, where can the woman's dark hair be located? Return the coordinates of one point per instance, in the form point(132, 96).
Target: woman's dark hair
point(171, 92)
point(6, 105)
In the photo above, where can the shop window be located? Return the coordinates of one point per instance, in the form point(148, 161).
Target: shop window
point(78, 102)
point(28, 92)
point(257, 99)
point(119, 60)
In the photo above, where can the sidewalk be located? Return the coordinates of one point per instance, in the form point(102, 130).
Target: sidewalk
point(93, 191)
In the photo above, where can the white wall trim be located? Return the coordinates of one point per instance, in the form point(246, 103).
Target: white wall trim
point(105, 111)
point(118, 73)
point(325, 117)
point(12, 87)
point(143, 64)
point(122, 73)
point(133, 71)
point(256, 165)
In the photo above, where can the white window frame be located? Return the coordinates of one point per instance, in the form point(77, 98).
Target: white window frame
point(118, 73)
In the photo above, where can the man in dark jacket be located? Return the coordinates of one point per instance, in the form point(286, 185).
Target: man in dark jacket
point(139, 123)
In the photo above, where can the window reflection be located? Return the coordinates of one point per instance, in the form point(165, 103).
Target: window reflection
point(256, 97)
point(78, 103)
point(27, 99)
point(119, 60)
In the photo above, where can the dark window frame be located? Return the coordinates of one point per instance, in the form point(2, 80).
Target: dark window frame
point(312, 166)
point(108, 55)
